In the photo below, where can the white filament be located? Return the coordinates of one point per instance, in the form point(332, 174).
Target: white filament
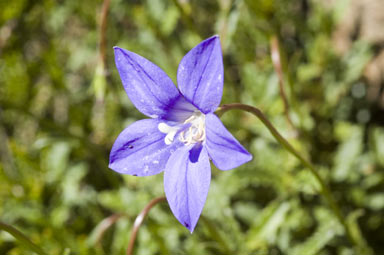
point(193, 134)
point(196, 132)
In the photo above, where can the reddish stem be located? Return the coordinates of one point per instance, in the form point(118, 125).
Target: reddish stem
point(106, 223)
point(139, 220)
point(276, 60)
point(103, 29)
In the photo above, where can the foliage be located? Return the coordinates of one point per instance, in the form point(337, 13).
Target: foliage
point(60, 112)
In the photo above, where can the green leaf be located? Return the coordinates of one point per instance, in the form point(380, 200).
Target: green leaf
point(266, 225)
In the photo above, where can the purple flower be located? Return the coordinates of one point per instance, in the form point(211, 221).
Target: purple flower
point(183, 133)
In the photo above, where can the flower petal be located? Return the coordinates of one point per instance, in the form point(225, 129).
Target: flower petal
point(186, 185)
point(180, 110)
point(224, 150)
point(140, 149)
point(200, 75)
point(148, 87)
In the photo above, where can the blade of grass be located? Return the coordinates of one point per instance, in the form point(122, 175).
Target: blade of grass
point(23, 239)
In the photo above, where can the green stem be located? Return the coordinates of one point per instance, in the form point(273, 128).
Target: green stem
point(325, 190)
point(22, 238)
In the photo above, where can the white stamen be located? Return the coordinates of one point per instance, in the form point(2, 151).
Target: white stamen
point(193, 134)
point(170, 131)
point(196, 132)
point(170, 136)
point(163, 128)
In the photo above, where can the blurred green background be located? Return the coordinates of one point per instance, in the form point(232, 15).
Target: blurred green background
point(62, 105)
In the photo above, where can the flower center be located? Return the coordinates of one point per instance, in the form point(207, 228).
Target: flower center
point(194, 133)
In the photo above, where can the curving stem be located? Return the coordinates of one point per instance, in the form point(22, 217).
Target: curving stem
point(325, 190)
point(139, 220)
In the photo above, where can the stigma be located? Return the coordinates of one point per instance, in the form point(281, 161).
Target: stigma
point(191, 131)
